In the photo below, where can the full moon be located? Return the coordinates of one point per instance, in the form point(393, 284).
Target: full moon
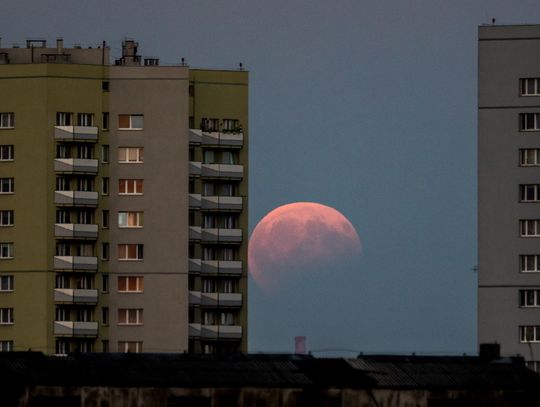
point(298, 236)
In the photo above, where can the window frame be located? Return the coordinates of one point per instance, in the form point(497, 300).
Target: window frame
point(64, 118)
point(8, 247)
point(533, 330)
point(126, 150)
point(84, 118)
point(8, 151)
point(524, 87)
point(7, 185)
point(6, 316)
point(529, 228)
point(523, 157)
point(10, 283)
point(529, 298)
point(130, 215)
point(6, 346)
point(7, 120)
point(124, 346)
point(130, 118)
point(124, 249)
point(7, 215)
point(124, 284)
point(127, 184)
point(126, 316)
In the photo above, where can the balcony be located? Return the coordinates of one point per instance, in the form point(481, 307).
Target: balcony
point(221, 267)
point(75, 133)
point(221, 203)
point(75, 166)
point(225, 171)
point(197, 298)
point(194, 265)
point(75, 328)
point(195, 233)
point(221, 235)
point(195, 168)
point(75, 231)
point(75, 263)
point(214, 138)
point(215, 331)
point(194, 201)
point(76, 198)
point(75, 296)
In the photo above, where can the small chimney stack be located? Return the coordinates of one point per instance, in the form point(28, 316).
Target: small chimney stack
point(300, 345)
point(59, 45)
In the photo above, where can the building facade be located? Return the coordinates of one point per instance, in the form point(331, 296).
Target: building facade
point(112, 238)
point(509, 189)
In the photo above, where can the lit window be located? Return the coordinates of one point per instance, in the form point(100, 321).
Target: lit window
point(6, 316)
point(529, 298)
point(6, 346)
point(529, 121)
point(7, 120)
point(130, 347)
point(529, 193)
point(7, 185)
point(130, 284)
point(6, 283)
point(63, 119)
point(130, 219)
point(130, 121)
point(130, 316)
point(7, 153)
point(529, 227)
point(130, 154)
point(529, 157)
point(130, 252)
point(7, 218)
point(530, 333)
point(130, 186)
point(85, 119)
point(6, 250)
point(529, 86)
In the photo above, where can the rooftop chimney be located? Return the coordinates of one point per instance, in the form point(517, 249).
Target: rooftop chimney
point(490, 351)
point(300, 345)
point(60, 45)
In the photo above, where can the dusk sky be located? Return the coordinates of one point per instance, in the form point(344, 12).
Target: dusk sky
point(365, 106)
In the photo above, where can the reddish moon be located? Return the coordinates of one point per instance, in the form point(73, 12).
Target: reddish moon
point(297, 236)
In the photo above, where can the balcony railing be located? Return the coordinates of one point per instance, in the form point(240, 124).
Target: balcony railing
point(75, 231)
point(221, 203)
point(227, 171)
point(194, 233)
point(75, 263)
point(76, 165)
point(194, 265)
point(221, 267)
point(195, 168)
point(76, 198)
point(215, 331)
point(194, 201)
point(197, 298)
point(214, 138)
point(75, 133)
point(212, 235)
point(75, 296)
point(75, 328)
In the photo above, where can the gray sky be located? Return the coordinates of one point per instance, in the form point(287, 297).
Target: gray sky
point(365, 106)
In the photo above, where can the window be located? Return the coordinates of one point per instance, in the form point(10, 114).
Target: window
point(208, 286)
point(209, 157)
point(62, 347)
point(227, 318)
point(7, 153)
point(529, 86)
point(529, 333)
point(529, 193)
point(529, 298)
point(231, 125)
point(529, 121)
point(529, 157)
point(529, 227)
point(62, 314)
point(63, 119)
point(130, 154)
point(228, 286)
point(85, 184)
point(130, 186)
point(62, 216)
point(7, 185)
point(63, 249)
point(534, 365)
point(85, 151)
point(84, 249)
point(6, 316)
point(105, 121)
point(62, 281)
point(228, 221)
point(130, 347)
point(85, 119)
point(229, 157)
point(104, 154)
point(209, 124)
point(130, 122)
point(105, 316)
point(130, 316)
point(209, 221)
point(6, 283)
point(63, 151)
point(83, 282)
point(105, 283)
point(6, 346)
point(105, 186)
point(84, 315)
point(7, 120)
point(105, 346)
point(7, 218)
point(105, 219)
point(209, 318)
point(130, 252)
point(6, 250)
point(85, 216)
point(105, 86)
point(209, 189)
point(130, 284)
point(62, 184)
point(130, 219)
point(104, 251)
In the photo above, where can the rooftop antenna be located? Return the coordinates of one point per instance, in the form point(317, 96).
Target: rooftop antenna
point(183, 61)
point(493, 21)
point(240, 66)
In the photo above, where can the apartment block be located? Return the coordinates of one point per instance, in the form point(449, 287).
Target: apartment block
point(123, 203)
point(509, 189)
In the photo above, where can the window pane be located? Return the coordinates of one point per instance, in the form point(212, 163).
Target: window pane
point(121, 283)
point(137, 122)
point(123, 121)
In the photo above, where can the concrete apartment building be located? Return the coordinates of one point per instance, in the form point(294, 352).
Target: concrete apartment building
point(509, 189)
point(123, 203)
